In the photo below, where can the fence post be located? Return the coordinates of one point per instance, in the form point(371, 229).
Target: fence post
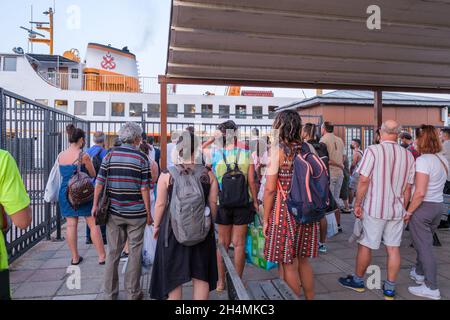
point(47, 165)
point(2, 120)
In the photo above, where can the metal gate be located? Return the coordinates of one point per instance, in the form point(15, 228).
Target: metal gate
point(34, 135)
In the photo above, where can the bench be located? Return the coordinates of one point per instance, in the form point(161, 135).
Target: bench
point(275, 289)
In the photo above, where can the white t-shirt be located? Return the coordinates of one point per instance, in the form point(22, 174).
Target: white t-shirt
point(430, 165)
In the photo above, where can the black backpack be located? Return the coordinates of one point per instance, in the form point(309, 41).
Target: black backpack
point(234, 193)
point(97, 161)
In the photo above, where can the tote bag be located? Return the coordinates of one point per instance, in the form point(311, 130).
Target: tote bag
point(53, 184)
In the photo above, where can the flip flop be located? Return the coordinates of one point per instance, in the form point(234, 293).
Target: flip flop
point(80, 259)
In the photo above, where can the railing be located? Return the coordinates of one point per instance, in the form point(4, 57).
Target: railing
point(97, 82)
point(34, 134)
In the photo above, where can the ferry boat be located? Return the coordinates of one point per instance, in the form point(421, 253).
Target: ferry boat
point(106, 86)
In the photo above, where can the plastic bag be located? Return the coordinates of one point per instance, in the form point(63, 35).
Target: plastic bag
point(332, 227)
point(357, 231)
point(149, 247)
point(53, 186)
point(254, 248)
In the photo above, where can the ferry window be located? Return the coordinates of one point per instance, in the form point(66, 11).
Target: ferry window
point(74, 73)
point(80, 108)
point(99, 108)
point(272, 112)
point(257, 112)
point(118, 109)
point(189, 110)
point(241, 111)
point(207, 110)
point(172, 110)
point(9, 64)
point(42, 101)
point(135, 109)
point(61, 105)
point(153, 110)
point(224, 112)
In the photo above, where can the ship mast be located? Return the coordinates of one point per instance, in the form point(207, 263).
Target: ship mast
point(44, 26)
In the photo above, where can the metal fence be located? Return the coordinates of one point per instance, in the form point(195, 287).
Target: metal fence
point(34, 135)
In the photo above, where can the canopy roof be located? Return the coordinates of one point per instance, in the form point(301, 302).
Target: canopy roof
point(304, 43)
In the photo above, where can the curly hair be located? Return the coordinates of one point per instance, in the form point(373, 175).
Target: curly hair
point(428, 140)
point(289, 125)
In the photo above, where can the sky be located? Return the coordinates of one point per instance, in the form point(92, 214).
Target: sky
point(142, 25)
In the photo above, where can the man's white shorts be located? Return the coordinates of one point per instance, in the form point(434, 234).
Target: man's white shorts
point(377, 230)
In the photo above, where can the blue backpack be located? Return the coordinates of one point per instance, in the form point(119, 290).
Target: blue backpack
point(308, 197)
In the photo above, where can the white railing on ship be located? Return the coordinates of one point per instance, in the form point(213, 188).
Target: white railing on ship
point(114, 83)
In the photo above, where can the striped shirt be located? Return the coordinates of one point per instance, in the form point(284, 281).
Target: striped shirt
point(128, 172)
point(390, 168)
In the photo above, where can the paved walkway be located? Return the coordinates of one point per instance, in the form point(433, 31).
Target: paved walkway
point(41, 272)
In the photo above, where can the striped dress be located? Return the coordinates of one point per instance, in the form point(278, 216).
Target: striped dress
point(286, 238)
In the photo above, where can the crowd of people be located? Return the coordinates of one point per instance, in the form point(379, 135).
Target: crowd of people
point(211, 191)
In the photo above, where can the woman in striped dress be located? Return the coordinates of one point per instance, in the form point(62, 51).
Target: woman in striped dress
point(288, 243)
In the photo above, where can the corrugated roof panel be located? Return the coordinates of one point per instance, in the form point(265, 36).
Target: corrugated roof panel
point(322, 42)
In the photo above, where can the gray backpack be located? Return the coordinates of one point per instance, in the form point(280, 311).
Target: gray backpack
point(187, 206)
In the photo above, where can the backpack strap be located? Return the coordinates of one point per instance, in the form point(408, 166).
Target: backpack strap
point(225, 160)
point(236, 161)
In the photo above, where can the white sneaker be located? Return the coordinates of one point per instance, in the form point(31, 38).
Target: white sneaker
point(416, 277)
point(425, 292)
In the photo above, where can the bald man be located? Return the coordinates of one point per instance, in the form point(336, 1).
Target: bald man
point(386, 175)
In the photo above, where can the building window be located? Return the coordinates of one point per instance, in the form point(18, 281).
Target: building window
point(80, 108)
point(135, 109)
point(224, 112)
point(9, 64)
point(257, 112)
point(61, 105)
point(153, 110)
point(99, 108)
point(241, 112)
point(75, 73)
point(172, 110)
point(42, 101)
point(189, 110)
point(207, 110)
point(118, 109)
point(272, 112)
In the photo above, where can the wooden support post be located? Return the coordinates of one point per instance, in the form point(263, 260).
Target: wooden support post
point(163, 125)
point(378, 110)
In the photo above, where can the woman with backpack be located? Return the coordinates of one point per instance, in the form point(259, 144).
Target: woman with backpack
point(185, 251)
point(69, 161)
point(288, 242)
point(233, 166)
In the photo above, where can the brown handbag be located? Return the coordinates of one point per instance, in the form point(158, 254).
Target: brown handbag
point(80, 189)
point(102, 212)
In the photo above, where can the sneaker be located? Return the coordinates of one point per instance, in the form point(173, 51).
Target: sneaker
point(339, 229)
point(416, 277)
point(425, 292)
point(350, 283)
point(322, 248)
point(124, 256)
point(388, 294)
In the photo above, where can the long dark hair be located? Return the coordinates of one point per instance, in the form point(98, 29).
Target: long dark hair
point(289, 124)
point(75, 134)
point(311, 130)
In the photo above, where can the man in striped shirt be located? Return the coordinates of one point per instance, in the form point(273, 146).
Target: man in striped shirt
point(126, 172)
point(386, 175)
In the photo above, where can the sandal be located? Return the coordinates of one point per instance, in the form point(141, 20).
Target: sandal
point(80, 259)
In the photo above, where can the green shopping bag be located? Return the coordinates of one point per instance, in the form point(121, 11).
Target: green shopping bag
point(255, 246)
